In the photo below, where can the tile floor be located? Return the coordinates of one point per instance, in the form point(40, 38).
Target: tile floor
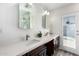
point(63, 53)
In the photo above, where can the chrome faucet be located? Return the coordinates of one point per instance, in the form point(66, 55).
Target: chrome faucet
point(27, 36)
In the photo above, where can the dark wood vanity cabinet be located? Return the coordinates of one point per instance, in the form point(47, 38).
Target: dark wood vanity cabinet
point(44, 50)
point(50, 48)
point(47, 49)
point(39, 51)
point(53, 46)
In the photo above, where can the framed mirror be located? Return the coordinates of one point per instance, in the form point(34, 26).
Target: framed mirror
point(44, 21)
point(24, 15)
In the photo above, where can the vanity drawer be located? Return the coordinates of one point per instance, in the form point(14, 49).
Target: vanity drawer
point(40, 51)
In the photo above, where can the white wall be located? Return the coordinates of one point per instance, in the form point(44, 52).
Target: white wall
point(56, 24)
point(9, 17)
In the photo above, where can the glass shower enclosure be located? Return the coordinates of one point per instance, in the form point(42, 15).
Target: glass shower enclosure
point(69, 31)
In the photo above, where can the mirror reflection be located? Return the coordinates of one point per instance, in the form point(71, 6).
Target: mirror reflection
point(24, 15)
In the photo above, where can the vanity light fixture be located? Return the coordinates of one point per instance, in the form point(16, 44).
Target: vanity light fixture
point(46, 12)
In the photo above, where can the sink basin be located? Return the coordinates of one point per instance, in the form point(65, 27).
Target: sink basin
point(29, 42)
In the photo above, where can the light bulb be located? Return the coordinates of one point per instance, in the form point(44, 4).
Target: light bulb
point(48, 13)
point(45, 12)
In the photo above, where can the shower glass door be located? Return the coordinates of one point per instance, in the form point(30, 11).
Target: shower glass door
point(69, 26)
point(69, 31)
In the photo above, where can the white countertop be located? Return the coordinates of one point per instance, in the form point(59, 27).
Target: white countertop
point(21, 48)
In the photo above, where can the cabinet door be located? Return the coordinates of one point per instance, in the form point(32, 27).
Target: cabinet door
point(50, 48)
point(40, 51)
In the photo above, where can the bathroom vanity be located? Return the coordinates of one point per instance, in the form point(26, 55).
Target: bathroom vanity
point(43, 50)
point(46, 49)
point(43, 46)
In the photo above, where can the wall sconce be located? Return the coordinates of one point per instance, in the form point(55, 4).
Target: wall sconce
point(46, 12)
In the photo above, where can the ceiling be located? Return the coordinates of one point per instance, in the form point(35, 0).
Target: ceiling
point(51, 6)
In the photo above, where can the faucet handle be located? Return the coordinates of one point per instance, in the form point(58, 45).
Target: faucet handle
point(27, 35)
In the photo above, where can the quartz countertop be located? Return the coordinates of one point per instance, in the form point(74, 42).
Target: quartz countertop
point(20, 48)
